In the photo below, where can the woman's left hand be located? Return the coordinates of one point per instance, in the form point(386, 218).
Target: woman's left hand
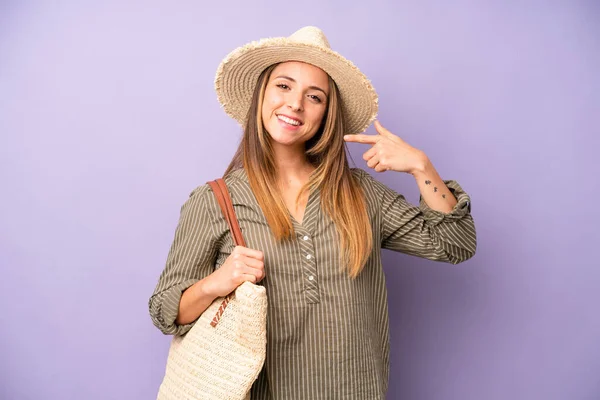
point(389, 152)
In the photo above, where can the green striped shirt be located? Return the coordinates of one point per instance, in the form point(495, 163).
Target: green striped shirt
point(327, 334)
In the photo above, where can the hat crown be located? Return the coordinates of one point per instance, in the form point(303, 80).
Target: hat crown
point(310, 35)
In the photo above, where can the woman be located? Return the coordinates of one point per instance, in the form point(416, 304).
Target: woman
point(314, 226)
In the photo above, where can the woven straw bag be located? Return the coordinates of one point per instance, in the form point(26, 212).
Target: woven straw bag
point(221, 356)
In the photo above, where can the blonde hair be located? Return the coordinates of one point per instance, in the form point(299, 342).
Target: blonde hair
point(342, 197)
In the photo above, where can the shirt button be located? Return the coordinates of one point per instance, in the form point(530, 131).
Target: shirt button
point(308, 256)
point(310, 278)
point(305, 238)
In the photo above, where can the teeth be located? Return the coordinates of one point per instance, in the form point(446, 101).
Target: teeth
point(288, 120)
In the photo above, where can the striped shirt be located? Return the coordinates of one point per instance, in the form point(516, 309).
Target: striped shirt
point(327, 334)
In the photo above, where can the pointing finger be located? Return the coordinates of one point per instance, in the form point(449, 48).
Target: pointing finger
point(369, 139)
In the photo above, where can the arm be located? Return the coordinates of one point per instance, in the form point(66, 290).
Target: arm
point(194, 301)
point(441, 228)
point(420, 230)
point(189, 284)
point(191, 259)
point(243, 264)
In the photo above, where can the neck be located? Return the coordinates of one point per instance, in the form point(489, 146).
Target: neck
point(293, 168)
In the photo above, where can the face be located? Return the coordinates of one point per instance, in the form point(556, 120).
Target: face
point(294, 103)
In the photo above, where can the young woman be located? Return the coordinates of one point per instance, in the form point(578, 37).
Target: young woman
point(314, 227)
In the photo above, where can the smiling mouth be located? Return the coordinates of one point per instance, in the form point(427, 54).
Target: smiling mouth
point(290, 121)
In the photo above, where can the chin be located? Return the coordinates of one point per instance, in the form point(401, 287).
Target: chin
point(282, 137)
point(283, 140)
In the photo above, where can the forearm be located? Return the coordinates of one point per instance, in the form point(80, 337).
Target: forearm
point(433, 189)
point(194, 301)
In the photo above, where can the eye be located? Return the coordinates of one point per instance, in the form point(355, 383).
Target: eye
point(282, 86)
point(315, 98)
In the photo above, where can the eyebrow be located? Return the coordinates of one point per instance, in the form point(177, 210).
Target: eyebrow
point(293, 80)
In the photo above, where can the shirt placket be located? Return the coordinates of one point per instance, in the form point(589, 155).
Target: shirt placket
point(310, 275)
point(307, 242)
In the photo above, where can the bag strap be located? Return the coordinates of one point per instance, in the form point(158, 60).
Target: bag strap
point(222, 194)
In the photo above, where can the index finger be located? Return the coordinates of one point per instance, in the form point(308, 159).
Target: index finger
point(361, 138)
point(249, 252)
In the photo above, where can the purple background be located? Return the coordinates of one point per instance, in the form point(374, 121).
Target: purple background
point(108, 119)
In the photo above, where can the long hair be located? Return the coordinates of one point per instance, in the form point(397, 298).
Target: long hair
point(342, 197)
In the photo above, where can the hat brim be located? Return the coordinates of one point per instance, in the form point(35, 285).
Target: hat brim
point(238, 74)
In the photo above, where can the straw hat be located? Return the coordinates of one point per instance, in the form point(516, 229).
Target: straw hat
point(238, 74)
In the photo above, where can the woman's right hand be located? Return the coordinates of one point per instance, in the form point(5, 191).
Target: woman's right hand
point(242, 265)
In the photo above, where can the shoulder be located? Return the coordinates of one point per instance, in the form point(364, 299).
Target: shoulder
point(371, 188)
point(375, 191)
point(236, 181)
point(200, 198)
point(237, 186)
point(232, 181)
point(358, 173)
point(366, 181)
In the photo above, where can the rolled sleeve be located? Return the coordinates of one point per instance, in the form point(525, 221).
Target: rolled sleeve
point(164, 307)
point(191, 258)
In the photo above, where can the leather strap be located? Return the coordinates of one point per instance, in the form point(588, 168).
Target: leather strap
point(220, 190)
point(222, 194)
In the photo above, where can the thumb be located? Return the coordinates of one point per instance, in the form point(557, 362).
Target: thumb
point(381, 130)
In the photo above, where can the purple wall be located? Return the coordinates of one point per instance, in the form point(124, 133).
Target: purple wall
point(108, 119)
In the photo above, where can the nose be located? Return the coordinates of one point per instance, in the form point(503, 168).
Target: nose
point(295, 102)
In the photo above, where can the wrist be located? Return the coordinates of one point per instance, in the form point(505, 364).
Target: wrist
point(204, 289)
point(422, 167)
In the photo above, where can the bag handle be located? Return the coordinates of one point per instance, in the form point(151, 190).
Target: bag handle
point(220, 190)
point(222, 194)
